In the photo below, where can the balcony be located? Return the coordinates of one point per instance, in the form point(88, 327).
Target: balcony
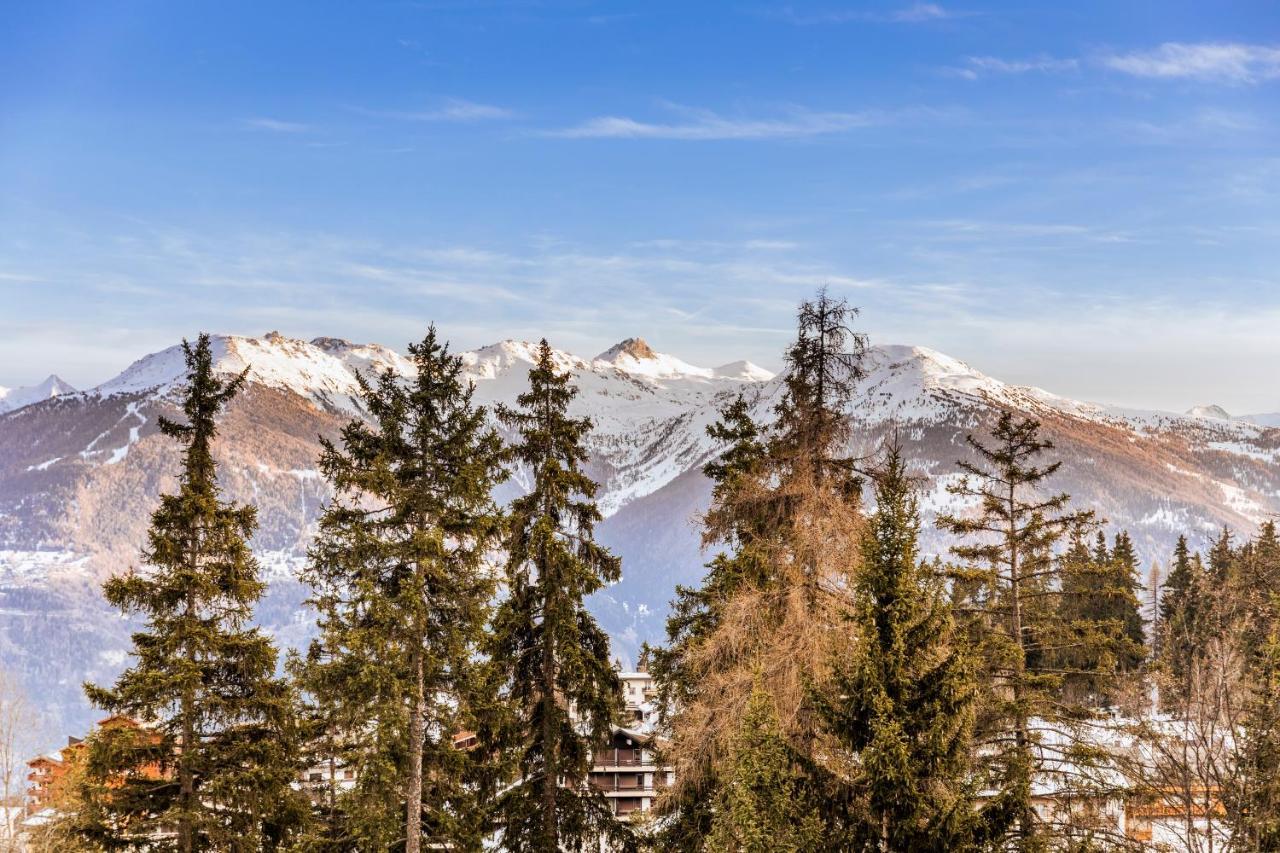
point(610, 784)
point(623, 758)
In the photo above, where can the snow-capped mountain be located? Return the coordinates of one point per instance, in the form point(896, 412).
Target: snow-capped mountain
point(16, 398)
point(1268, 419)
point(80, 473)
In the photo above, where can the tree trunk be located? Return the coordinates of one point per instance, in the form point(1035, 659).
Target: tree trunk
point(1019, 671)
point(186, 779)
point(550, 741)
point(417, 732)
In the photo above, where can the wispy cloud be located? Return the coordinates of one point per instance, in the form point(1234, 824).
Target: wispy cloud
point(1224, 62)
point(978, 66)
point(449, 110)
point(276, 125)
point(701, 125)
point(918, 13)
point(1211, 61)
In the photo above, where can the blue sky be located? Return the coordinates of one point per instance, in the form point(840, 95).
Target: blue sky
point(1077, 195)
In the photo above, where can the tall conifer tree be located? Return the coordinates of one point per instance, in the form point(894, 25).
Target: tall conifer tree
point(400, 582)
point(901, 708)
point(553, 657)
point(786, 509)
point(1011, 549)
point(211, 766)
point(1254, 805)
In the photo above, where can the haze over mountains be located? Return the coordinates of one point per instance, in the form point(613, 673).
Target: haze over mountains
point(80, 473)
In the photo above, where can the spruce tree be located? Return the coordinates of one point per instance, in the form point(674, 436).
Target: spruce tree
point(1121, 603)
point(552, 656)
point(1177, 604)
point(1011, 579)
point(762, 806)
point(1186, 613)
point(211, 765)
point(901, 708)
point(1101, 629)
point(1254, 802)
point(1254, 577)
point(1255, 612)
point(1177, 584)
point(403, 591)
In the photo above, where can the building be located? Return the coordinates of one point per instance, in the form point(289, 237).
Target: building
point(626, 769)
point(638, 696)
point(628, 773)
point(46, 774)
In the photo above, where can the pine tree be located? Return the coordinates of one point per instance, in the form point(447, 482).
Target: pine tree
point(1255, 618)
point(1101, 626)
point(1221, 556)
point(786, 510)
point(761, 807)
point(901, 708)
point(1186, 613)
point(1122, 608)
point(400, 582)
point(211, 765)
point(1011, 582)
point(1254, 804)
point(824, 364)
point(1178, 582)
point(1175, 601)
point(553, 657)
point(1254, 577)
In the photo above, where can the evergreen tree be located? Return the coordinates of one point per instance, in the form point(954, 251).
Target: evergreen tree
point(403, 592)
point(1177, 616)
point(786, 511)
point(1186, 611)
point(1013, 577)
point(1102, 628)
point(901, 708)
point(1122, 606)
point(1254, 805)
point(761, 807)
point(1221, 555)
point(695, 611)
point(1254, 577)
point(553, 657)
point(1255, 619)
point(1178, 583)
point(211, 765)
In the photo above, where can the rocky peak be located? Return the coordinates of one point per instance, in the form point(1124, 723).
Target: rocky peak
point(332, 345)
point(634, 347)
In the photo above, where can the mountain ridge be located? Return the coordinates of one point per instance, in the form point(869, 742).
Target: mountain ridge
point(81, 472)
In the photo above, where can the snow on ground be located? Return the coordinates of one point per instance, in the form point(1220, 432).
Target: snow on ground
point(35, 565)
point(650, 410)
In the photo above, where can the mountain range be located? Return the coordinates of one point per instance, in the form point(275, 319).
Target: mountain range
point(80, 472)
